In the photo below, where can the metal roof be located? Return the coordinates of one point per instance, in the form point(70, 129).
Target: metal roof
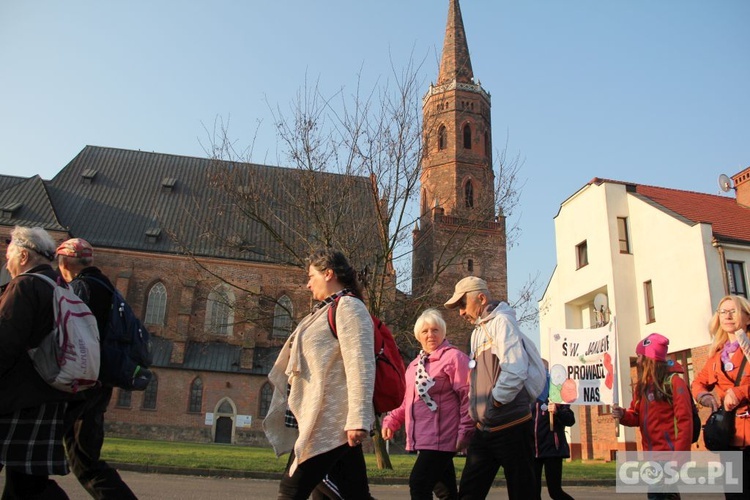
point(162, 203)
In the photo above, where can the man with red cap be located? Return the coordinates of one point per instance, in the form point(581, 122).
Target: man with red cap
point(75, 258)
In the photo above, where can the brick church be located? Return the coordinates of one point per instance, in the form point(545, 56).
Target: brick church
point(217, 291)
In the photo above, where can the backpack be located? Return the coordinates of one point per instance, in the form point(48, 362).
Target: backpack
point(68, 357)
point(390, 373)
point(696, 417)
point(126, 346)
point(536, 376)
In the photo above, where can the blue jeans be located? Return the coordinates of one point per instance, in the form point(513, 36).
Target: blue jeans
point(511, 449)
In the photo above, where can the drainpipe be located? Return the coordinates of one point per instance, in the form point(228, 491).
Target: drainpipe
point(724, 275)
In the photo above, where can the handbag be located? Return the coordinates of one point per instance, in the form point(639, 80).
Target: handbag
point(719, 428)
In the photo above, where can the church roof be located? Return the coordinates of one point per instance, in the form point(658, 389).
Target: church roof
point(455, 63)
point(161, 203)
point(213, 356)
point(25, 202)
point(729, 220)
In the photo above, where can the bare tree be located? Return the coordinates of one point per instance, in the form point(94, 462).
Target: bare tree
point(352, 182)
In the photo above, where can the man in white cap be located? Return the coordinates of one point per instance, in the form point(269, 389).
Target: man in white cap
point(83, 442)
point(507, 374)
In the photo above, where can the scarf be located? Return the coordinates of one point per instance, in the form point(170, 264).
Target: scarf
point(423, 382)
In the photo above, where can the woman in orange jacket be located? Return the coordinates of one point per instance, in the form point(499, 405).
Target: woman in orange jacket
point(715, 384)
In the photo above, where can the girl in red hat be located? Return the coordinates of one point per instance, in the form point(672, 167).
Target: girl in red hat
point(662, 405)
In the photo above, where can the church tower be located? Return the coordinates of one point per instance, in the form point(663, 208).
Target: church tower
point(460, 232)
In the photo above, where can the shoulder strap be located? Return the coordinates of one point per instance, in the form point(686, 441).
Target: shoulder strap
point(332, 313)
point(49, 280)
point(739, 373)
point(101, 282)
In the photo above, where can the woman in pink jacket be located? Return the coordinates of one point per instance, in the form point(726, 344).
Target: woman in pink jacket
point(435, 410)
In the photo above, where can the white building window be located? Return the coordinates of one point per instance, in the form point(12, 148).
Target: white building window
point(648, 295)
point(736, 275)
point(582, 254)
point(622, 234)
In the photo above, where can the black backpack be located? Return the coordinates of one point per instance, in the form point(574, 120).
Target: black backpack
point(125, 346)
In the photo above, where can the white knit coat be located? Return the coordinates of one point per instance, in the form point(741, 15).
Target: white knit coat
point(331, 381)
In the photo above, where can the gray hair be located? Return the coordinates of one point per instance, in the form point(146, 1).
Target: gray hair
point(431, 317)
point(35, 239)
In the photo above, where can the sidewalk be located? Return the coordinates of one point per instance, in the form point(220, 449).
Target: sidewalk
point(163, 486)
point(160, 469)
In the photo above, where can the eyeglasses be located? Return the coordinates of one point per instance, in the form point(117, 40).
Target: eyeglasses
point(727, 312)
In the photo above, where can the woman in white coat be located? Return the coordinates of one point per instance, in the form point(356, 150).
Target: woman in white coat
point(322, 409)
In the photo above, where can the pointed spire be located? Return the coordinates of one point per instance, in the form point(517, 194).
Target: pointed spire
point(455, 63)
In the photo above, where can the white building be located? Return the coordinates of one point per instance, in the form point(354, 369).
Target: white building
point(662, 258)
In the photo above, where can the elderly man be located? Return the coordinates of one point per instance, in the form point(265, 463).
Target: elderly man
point(505, 368)
point(75, 258)
point(31, 411)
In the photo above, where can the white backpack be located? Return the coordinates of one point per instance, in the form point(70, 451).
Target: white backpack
point(536, 378)
point(68, 357)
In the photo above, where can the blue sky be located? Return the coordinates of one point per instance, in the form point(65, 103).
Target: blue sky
point(653, 92)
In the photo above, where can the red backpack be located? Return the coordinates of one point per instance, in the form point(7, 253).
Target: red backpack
point(390, 374)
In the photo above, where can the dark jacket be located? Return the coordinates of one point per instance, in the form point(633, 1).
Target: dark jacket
point(97, 296)
point(26, 316)
point(548, 442)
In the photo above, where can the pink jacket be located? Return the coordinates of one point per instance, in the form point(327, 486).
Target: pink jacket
point(441, 429)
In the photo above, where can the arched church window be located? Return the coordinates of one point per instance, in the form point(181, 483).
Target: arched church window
point(469, 194)
point(266, 394)
point(282, 317)
point(196, 396)
point(220, 311)
point(442, 138)
point(487, 144)
point(467, 136)
point(156, 305)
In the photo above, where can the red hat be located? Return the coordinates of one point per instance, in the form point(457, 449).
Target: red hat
point(75, 247)
point(654, 346)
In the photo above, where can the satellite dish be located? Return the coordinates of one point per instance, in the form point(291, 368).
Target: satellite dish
point(725, 183)
point(600, 302)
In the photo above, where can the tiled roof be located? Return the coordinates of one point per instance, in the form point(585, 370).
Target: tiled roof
point(7, 181)
point(164, 203)
point(729, 220)
point(264, 358)
point(25, 202)
point(161, 351)
point(212, 356)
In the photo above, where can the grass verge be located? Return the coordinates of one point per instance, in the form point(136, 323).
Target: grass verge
point(245, 458)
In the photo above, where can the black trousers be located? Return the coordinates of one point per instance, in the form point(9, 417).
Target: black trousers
point(511, 449)
point(553, 474)
point(83, 443)
point(433, 472)
point(346, 471)
point(20, 486)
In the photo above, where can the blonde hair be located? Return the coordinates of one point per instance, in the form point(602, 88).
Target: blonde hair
point(431, 317)
point(718, 335)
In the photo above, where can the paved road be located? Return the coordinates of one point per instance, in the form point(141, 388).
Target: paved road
point(167, 486)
